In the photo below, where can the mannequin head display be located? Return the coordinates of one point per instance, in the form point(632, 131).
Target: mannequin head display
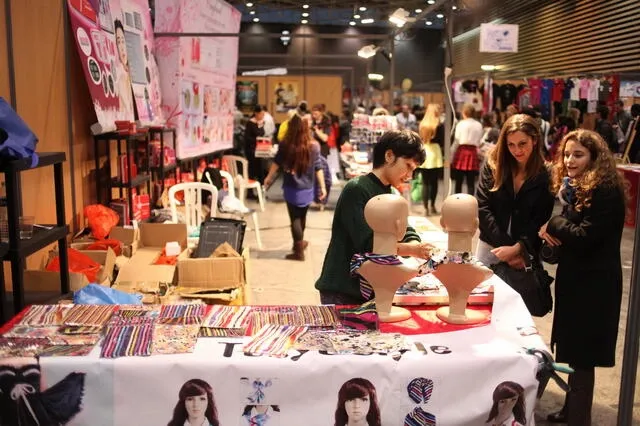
point(382, 271)
point(459, 271)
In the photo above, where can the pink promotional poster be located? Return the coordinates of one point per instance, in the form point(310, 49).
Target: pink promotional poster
point(115, 44)
point(198, 74)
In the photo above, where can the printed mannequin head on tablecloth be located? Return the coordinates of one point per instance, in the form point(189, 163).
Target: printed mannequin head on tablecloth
point(508, 407)
point(357, 404)
point(196, 405)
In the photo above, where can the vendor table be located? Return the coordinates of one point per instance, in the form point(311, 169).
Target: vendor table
point(448, 377)
point(632, 176)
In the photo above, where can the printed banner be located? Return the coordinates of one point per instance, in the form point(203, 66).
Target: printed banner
point(501, 38)
point(287, 94)
point(115, 43)
point(198, 74)
point(246, 96)
point(630, 89)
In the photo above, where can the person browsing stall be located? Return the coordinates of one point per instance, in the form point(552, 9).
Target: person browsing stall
point(395, 157)
point(588, 289)
point(299, 157)
point(514, 199)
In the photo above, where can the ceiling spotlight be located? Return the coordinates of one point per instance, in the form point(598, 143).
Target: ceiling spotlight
point(305, 14)
point(249, 4)
point(356, 16)
point(431, 1)
point(362, 8)
point(252, 12)
point(440, 15)
point(285, 32)
point(375, 76)
point(400, 17)
point(352, 23)
point(429, 23)
point(368, 51)
point(454, 7)
point(305, 6)
point(304, 21)
point(418, 11)
point(488, 68)
point(256, 19)
point(367, 21)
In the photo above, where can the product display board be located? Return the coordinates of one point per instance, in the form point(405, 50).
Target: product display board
point(446, 378)
point(198, 74)
point(115, 44)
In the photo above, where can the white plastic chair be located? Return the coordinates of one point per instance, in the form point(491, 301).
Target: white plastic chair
point(193, 201)
point(235, 206)
point(232, 162)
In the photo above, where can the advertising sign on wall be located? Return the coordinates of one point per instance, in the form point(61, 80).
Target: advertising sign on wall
point(246, 96)
point(115, 43)
point(198, 74)
point(500, 38)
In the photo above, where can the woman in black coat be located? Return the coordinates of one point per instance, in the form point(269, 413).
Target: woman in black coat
point(513, 195)
point(589, 276)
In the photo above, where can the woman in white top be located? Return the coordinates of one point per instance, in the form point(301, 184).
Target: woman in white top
point(467, 138)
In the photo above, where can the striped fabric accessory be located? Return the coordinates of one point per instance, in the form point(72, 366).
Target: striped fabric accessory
point(380, 259)
point(274, 340)
point(318, 316)
point(420, 389)
point(419, 417)
point(181, 314)
point(95, 315)
point(80, 329)
point(323, 316)
point(221, 332)
point(66, 350)
point(221, 316)
point(127, 340)
point(43, 315)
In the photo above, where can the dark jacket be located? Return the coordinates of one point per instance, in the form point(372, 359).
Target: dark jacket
point(528, 210)
point(588, 287)
point(605, 129)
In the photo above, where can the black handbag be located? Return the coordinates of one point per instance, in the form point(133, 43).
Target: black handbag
point(533, 283)
point(549, 254)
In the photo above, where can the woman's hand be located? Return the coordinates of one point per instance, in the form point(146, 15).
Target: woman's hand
point(323, 193)
point(517, 262)
point(506, 253)
point(421, 250)
point(550, 239)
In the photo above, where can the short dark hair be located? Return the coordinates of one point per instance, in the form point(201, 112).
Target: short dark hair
point(603, 112)
point(635, 109)
point(257, 109)
point(403, 143)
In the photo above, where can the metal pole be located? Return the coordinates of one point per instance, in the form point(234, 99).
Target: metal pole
point(632, 334)
point(67, 69)
point(448, 123)
point(10, 62)
point(392, 70)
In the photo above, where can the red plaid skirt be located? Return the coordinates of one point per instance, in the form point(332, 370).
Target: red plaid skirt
point(466, 158)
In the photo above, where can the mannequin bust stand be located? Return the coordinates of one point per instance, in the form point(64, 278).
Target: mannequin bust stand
point(383, 271)
point(460, 272)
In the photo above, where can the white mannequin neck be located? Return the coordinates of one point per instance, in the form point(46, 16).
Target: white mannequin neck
point(460, 241)
point(385, 243)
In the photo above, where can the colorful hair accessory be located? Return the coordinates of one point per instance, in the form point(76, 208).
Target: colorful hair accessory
point(420, 389)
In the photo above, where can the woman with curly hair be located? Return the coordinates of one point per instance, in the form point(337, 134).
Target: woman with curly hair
point(588, 287)
point(357, 404)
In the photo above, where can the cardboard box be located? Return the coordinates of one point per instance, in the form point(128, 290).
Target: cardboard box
point(231, 297)
point(213, 272)
point(127, 236)
point(152, 239)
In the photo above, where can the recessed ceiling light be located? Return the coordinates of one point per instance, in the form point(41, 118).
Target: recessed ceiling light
point(256, 19)
point(429, 23)
point(304, 21)
point(249, 4)
point(356, 16)
point(253, 12)
point(454, 7)
point(362, 8)
point(418, 10)
point(305, 14)
point(431, 1)
point(440, 15)
point(352, 23)
point(285, 32)
point(367, 21)
point(305, 6)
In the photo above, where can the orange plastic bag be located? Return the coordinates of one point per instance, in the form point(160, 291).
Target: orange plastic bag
point(115, 245)
point(78, 262)
point(101, 220)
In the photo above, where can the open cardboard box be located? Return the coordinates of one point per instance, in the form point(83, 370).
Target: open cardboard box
point(127, 236)
point(45, 281)
point(152, 238)
point(213, 272)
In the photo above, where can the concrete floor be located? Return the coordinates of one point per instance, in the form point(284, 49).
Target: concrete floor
point(274, 280)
